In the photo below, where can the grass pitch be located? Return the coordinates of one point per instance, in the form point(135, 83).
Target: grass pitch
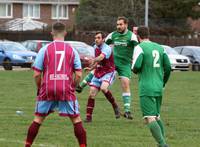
point(180, 112)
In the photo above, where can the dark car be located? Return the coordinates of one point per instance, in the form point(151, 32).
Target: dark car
point(86, 52)
point(34, 45)
point(15, 54)
point(192, 52)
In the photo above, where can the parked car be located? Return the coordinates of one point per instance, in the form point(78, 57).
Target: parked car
point(15, 54)
point(34, 45)
point(86, 52)
point(193, 53)
point(178, 62)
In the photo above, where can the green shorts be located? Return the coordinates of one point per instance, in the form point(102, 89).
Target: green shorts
point(150, 105)
point(124, 71)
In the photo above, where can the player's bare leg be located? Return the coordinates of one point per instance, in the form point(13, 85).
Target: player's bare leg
point(126, 95)
point(110, 98)
point(79, 131)
point(33, 130)
point(91, 103)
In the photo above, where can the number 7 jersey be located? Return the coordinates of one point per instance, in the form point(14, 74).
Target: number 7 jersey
point(58, 61)
point(152, 64)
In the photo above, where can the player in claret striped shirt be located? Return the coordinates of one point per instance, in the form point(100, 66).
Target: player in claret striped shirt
point(104, 75)
point(54, 68)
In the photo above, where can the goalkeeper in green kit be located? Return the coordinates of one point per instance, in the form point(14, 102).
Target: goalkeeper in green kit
point(152, 65)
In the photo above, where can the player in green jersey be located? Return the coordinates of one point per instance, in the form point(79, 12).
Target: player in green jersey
point(123, 41)
point(152, 65)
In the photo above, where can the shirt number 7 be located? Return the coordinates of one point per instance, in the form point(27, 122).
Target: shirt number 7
point(62, 55)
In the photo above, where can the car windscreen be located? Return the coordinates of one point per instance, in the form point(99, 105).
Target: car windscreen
point(197, 52)
point(82, 49)
point(170, 51)
point(14, 47)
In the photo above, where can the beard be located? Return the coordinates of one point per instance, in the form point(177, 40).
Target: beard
point(121, 31)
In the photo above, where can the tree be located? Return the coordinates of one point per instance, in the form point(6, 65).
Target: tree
point(102, 15)
point(171, 16)
point(166, 17)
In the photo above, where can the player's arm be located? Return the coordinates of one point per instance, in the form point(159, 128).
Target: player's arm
point(38, 78)
point(38, 67)
point(105, 53)
point(137, 59)
point(77, 68)
point(98, 59)
point(167, 68)
point(134, 40)
point(77, 78)
point(95, 62)
point(108, 39)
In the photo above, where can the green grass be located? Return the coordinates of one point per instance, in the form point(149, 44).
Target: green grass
point(180, 113)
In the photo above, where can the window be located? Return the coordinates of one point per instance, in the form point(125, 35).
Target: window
point(5, 10)
point(187, 52)
point(31, 11)
point(59, 11)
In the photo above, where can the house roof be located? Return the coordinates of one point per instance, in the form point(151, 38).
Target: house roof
point(74, 2)
point(20, 24)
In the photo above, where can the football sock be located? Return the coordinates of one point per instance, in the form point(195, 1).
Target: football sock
point(86, 80)
point(90, 107)
point(80, 134)
point(32, 133)
point(110, 98)
point(160, 123)
point(127, 101)
point(156, 132)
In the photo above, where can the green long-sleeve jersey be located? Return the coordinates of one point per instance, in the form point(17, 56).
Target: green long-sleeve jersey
point(152, 64)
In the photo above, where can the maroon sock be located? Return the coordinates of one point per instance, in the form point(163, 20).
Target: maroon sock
point(90, 108)
point(32, 132)
point(110, 98)
point(80, 133)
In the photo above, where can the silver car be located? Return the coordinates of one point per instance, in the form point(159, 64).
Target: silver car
point(178, 62)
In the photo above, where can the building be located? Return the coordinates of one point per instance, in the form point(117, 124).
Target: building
point(46, 11)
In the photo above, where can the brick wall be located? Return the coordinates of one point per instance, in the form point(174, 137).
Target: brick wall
point(45, 14)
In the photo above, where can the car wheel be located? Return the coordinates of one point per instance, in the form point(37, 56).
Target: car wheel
point(7, 65)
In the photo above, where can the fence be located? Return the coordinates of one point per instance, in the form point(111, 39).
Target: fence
point(88, 37)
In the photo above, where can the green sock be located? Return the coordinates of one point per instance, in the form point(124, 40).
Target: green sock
point(87, 79)
point(127, 101)
point(160, 123)
point(156, 133)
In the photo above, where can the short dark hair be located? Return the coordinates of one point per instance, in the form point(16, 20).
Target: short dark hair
point(58, 27)
point(123, 18)
point(100, 32)
point(143, 32)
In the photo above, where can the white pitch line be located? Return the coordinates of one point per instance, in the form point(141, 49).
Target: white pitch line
point(22, 142)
